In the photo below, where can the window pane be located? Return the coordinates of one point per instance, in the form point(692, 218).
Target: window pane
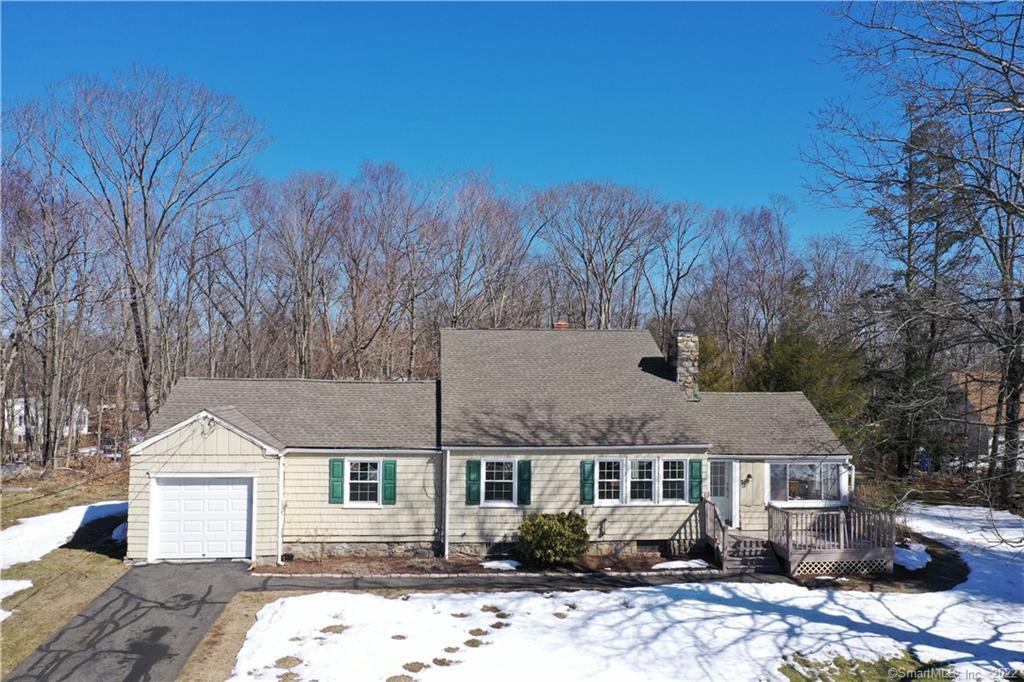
point(498, 481)
point(779, 483)
point(609, 475)
point(830, 481)
point(362, 481)
point(673, 490)
point(804, 482)
point(673, 479)
point(719, 486)
point(641, 483)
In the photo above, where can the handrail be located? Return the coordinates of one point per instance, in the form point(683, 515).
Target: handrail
point(715, 529)
point(831, 529)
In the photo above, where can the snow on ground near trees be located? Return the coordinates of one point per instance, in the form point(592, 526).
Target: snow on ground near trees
point(719, 630)
point(913, 558)
point(33, 537)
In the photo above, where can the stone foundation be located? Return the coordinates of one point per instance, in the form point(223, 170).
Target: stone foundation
point(312, 551)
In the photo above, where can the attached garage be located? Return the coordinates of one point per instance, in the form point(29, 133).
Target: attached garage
point(202, 517)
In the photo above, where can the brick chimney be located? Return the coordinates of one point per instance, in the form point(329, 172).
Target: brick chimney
point(562, 325)
point(686, 354)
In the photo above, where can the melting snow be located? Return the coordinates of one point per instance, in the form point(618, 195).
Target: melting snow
point(32, 538)
point(686, 563)
point(501, 565)
point(721, 630)
point(913, 558)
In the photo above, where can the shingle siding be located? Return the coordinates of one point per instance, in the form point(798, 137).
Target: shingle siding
point(309, 517)
point(189, 450)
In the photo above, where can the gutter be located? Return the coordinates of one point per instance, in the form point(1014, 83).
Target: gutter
point(361, 451)
point(585, 449)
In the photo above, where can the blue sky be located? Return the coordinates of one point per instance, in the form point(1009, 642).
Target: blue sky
point(708, 102)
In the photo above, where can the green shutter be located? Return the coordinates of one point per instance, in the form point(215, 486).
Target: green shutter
point(524, 471)
point(472, 481)
point(336, 487)
point(388, 481)
point(695, 480)
point(587, 481)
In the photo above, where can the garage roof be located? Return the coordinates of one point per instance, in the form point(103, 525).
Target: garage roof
point(298, 413)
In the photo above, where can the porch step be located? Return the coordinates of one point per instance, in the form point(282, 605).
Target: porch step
point(751, 554)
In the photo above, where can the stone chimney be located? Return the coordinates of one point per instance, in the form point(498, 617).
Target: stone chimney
point(686, 355)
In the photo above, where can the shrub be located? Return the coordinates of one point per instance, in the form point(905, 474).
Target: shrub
point(553, 539)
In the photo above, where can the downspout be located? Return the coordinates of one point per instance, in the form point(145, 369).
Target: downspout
point(280, 507)
point(447, 468)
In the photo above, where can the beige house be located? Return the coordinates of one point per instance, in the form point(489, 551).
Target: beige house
point(520, 422)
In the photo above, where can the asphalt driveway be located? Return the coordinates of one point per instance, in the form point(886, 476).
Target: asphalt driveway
point(142, 628)
point(146, 625)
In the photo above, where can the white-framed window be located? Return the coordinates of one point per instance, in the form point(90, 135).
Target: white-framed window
point(813, 483)
point(673, 480)
point(499, 483)
point(610, 475)
point(362, 482)
point(641, 480)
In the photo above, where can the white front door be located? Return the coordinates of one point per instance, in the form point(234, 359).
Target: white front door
point(203, 518)
point(721, 488)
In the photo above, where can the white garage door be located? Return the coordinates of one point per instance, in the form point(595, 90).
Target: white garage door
point(203, 518)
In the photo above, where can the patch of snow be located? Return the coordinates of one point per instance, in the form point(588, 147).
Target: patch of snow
point(723, 630)
point(680, 564)
point(9, 587)
point(32, 538)
point(501, 565)
point(120, 534)
point(913, 559)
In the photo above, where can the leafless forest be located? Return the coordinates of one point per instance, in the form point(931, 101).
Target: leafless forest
point(139, 246)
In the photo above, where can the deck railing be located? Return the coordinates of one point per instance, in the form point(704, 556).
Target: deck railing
point(809, 531)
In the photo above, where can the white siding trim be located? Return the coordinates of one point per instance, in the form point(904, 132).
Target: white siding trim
point(203, 414)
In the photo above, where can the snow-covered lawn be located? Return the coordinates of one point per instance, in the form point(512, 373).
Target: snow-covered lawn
point(32, 538)
point(719, 631)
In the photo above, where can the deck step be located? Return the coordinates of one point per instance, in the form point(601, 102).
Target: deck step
point(751, 554)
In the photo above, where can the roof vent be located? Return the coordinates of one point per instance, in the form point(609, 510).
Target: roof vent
point(562, 324)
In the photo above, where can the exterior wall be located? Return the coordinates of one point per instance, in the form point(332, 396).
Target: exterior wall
point(753, 510)
point(312, 524)
point(555, 487)
point(188, 451)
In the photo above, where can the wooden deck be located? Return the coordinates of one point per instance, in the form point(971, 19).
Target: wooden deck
point(852, 539)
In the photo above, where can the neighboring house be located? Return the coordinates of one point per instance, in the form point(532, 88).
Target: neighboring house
point(974, 395)
point(23, 415)
point(520, 421)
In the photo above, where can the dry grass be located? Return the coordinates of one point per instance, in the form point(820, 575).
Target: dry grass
point(65, 489)
point(63, 583)
point(214, 658)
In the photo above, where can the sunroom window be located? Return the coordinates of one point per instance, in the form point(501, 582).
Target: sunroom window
point(805, 482)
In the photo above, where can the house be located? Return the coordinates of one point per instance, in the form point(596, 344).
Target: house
point(25, 415)
point(974, 396)
point(520, 422)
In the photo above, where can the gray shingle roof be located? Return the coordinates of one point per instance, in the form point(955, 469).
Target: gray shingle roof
point(587, 388)
point(311, 413)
